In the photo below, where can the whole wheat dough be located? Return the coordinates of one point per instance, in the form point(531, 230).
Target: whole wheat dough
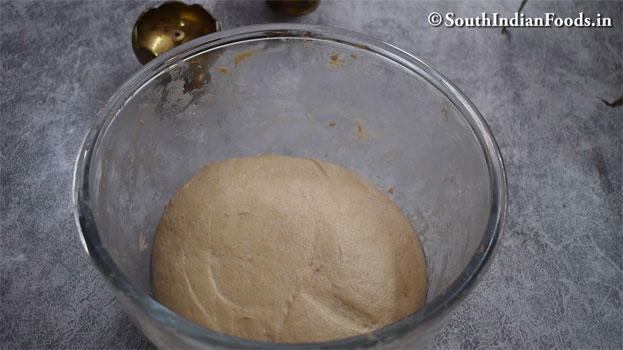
point(286, 249)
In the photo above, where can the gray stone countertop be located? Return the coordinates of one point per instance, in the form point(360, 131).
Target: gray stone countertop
point(557, 279)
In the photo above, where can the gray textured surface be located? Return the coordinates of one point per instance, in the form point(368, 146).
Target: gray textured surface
point(557, 280)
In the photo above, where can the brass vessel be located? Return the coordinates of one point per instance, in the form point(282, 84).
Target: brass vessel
point(158, 30)
point(293, 7)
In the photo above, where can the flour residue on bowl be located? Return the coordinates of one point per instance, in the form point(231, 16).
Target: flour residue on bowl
point(335, 61)
point(360, 133)
point(142, 243)
point(239, 58)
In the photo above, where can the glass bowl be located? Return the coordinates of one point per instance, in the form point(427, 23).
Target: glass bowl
point(299, 90)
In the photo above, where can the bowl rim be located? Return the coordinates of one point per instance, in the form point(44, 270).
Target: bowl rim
point(148, 306)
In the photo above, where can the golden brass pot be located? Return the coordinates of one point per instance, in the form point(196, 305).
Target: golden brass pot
point(158, 30)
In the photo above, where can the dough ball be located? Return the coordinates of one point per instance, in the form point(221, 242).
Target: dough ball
point(285, 249)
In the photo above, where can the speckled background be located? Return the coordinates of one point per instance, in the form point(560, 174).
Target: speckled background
point(557, 279)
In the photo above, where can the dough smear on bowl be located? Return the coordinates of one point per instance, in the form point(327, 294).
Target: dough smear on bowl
point(284, 249)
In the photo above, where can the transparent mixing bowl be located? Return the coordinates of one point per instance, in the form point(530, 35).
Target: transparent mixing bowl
point(299, 90)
